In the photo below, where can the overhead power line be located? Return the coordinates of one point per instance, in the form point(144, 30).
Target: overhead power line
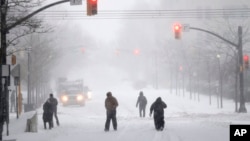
point(148, 14)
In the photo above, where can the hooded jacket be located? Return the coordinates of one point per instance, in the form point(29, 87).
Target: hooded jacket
point(158, 107)
point(141, 101)
point(110, 103)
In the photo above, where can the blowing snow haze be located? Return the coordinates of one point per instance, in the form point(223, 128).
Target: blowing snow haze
point(129, 46)
point(103, 46)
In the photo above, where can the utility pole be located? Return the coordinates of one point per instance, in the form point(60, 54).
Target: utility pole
point(3, 82)
point(242, 108)
point(29, 90)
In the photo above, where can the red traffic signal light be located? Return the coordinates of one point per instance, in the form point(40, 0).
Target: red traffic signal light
point(180, 68)
point(177, 31)
point(246, 61)
point(136, 51)
point(91, 7)
point(246, 58)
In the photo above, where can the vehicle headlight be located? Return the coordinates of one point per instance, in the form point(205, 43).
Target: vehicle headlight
point(79, 97)
point(65, 98)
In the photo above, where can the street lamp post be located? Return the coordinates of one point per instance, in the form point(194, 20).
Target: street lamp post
point(190, 84)
point(28, 86)
point(209, 82)
point(220, 81)
point(195, 84)
point(183, 84)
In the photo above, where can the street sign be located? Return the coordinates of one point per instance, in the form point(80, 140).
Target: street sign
point(5, 70)
point(75, 2)
point(186, 27)
point(15, 72)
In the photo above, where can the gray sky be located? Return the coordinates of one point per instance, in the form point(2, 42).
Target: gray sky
point(100, 37)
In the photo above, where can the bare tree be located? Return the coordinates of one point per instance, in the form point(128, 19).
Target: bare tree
point(16, 10)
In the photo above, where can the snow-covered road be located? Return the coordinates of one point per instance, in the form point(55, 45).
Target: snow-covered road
point(186, 120)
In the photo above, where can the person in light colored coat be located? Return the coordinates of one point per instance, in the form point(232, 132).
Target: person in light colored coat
point(142, 102)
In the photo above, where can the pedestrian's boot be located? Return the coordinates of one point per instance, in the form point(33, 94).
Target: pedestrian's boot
point(52, 124)
point(45, 125)
point(57, 122)
point(106, 130)
point(161, 128)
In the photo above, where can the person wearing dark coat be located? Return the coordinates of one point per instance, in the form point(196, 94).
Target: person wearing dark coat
point(47, 114)
point(110, 105)
point(158, 108)
point(54, 103)
point(142, 102)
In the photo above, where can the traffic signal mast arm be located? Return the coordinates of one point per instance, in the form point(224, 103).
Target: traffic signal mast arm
point(231, 43)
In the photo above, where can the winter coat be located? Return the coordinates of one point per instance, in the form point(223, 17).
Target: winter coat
point(158, 107)
point(54, 103)
point(142, 101)
point(47, 111)
point(111, 103)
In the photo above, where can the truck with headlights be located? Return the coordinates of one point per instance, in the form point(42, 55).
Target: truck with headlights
point(71, 92)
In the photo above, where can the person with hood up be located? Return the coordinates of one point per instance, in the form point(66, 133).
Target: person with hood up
point(142, 102)
point(47, 114)
point(54, 103)
point(158, 108)
point(111, 105)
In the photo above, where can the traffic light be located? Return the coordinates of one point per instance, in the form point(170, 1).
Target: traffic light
point(177, 31)
point(83, 50)
point(180, 68)
point(91, 7)
point(136, 52)
point(246, 61)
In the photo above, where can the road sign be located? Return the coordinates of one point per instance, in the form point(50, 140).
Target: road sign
point(15, 72)
point(5, 70)
point(75, 2)
point(186, 27)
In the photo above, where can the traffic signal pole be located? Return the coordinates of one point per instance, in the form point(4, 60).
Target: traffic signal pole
point(4, 30)
point(242, 108)
point(3, 86)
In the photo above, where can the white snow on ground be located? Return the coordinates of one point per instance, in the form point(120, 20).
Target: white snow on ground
point(186, 120)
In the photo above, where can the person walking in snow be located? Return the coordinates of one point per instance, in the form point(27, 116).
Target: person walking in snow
point(158, 108)
point(110, 105)
point(13, 101)
point(54, 103)
point(47, 114)
point(142, 102)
